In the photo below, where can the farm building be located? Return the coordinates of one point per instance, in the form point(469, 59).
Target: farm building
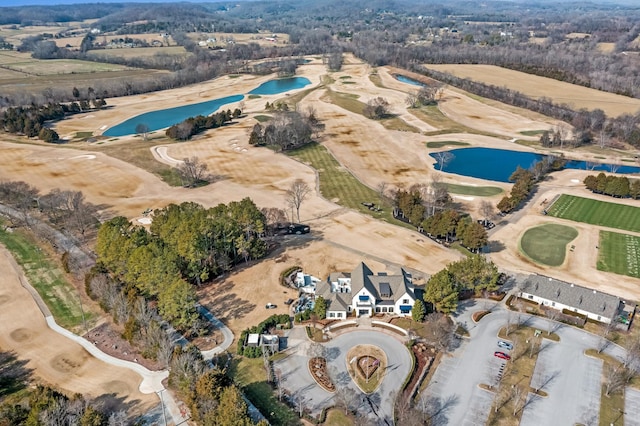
point(562, 295)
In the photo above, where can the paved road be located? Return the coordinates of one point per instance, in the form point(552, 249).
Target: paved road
point(573, 389)
point(632, 407)
point(298, 381)
point(226, 333)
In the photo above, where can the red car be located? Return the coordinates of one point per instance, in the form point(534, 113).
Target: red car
point(502, 355)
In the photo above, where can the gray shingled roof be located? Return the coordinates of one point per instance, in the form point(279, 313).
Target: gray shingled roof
point(573, 295)
point(362, 276)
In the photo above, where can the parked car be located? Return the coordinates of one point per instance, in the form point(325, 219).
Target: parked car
point(271, 306)
point(506, 345)
point(297, 228)
point(501, 355)
point(288, 301)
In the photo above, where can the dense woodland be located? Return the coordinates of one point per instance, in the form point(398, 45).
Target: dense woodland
point(186, 245)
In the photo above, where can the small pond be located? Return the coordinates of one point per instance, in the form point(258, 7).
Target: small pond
point(160, 119)
point(405, 79)
point(281, 85)
point(499, 164)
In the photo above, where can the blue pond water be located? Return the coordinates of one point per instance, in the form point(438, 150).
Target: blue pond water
point(499, 164)
point(273, 87)
point(408, 80)
point(168, 117)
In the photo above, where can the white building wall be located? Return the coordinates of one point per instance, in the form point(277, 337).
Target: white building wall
point(560, 307)
point(405, 296)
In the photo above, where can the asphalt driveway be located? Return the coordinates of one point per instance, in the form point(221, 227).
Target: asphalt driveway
point(298, 382)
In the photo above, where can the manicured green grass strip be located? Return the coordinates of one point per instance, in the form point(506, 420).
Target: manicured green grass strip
point(339, 186)
point(597, 212)
point(479, 191)
point(547, 244)
point(532, 132)
point(45, 276)
point(441, 144)
point(261, 118)
point(619, 253)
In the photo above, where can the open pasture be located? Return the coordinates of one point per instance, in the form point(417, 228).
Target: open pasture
point(619, 253)
point(547, 244)
point(537, 87)
point(139, 52)
point(62, 66)
point(596, 212)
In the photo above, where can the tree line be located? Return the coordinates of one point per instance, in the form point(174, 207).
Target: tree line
point(194, 125)
point(30, 121)
point(524, 181)
point(615, 186)
point(186, 244)
point(47, 406)
point(591, 126)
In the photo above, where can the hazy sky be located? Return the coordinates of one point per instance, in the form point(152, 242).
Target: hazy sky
point(54, 2)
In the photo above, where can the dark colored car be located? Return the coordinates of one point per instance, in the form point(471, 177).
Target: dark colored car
point(297, 228)
point(502, 355)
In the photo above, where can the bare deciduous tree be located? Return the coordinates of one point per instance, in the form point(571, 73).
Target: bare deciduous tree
point(142, 129)
point(442, 158)
point(296, 194)
point(487, 210)
point(440, 331)
point(192, 171)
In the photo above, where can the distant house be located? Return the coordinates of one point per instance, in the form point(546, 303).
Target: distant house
point(561, 295)
point(365, 293)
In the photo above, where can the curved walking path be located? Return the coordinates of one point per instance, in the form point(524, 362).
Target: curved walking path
point(151, 380)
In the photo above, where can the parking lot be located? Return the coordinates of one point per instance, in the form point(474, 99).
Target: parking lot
point(570, 378)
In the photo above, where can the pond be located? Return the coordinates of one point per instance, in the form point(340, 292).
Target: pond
point(498, 164)
point(281, 85)
point(162, 118)
point(405, 79)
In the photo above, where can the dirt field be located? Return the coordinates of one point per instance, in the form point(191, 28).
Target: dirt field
point(536, 87)
point(55, 359)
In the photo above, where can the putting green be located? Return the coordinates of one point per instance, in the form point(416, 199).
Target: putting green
point(547, 244)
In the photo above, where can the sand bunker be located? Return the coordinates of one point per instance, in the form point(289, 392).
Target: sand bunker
point(160, 153)
point(145, 220)
point(83, 157)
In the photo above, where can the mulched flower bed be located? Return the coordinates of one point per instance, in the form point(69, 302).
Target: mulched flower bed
point(109, 341)
point(424, 356)
point(318, 369)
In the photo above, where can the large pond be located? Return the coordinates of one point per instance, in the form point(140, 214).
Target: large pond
point(499, 164)
point(408, 80)
point(162, 118)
